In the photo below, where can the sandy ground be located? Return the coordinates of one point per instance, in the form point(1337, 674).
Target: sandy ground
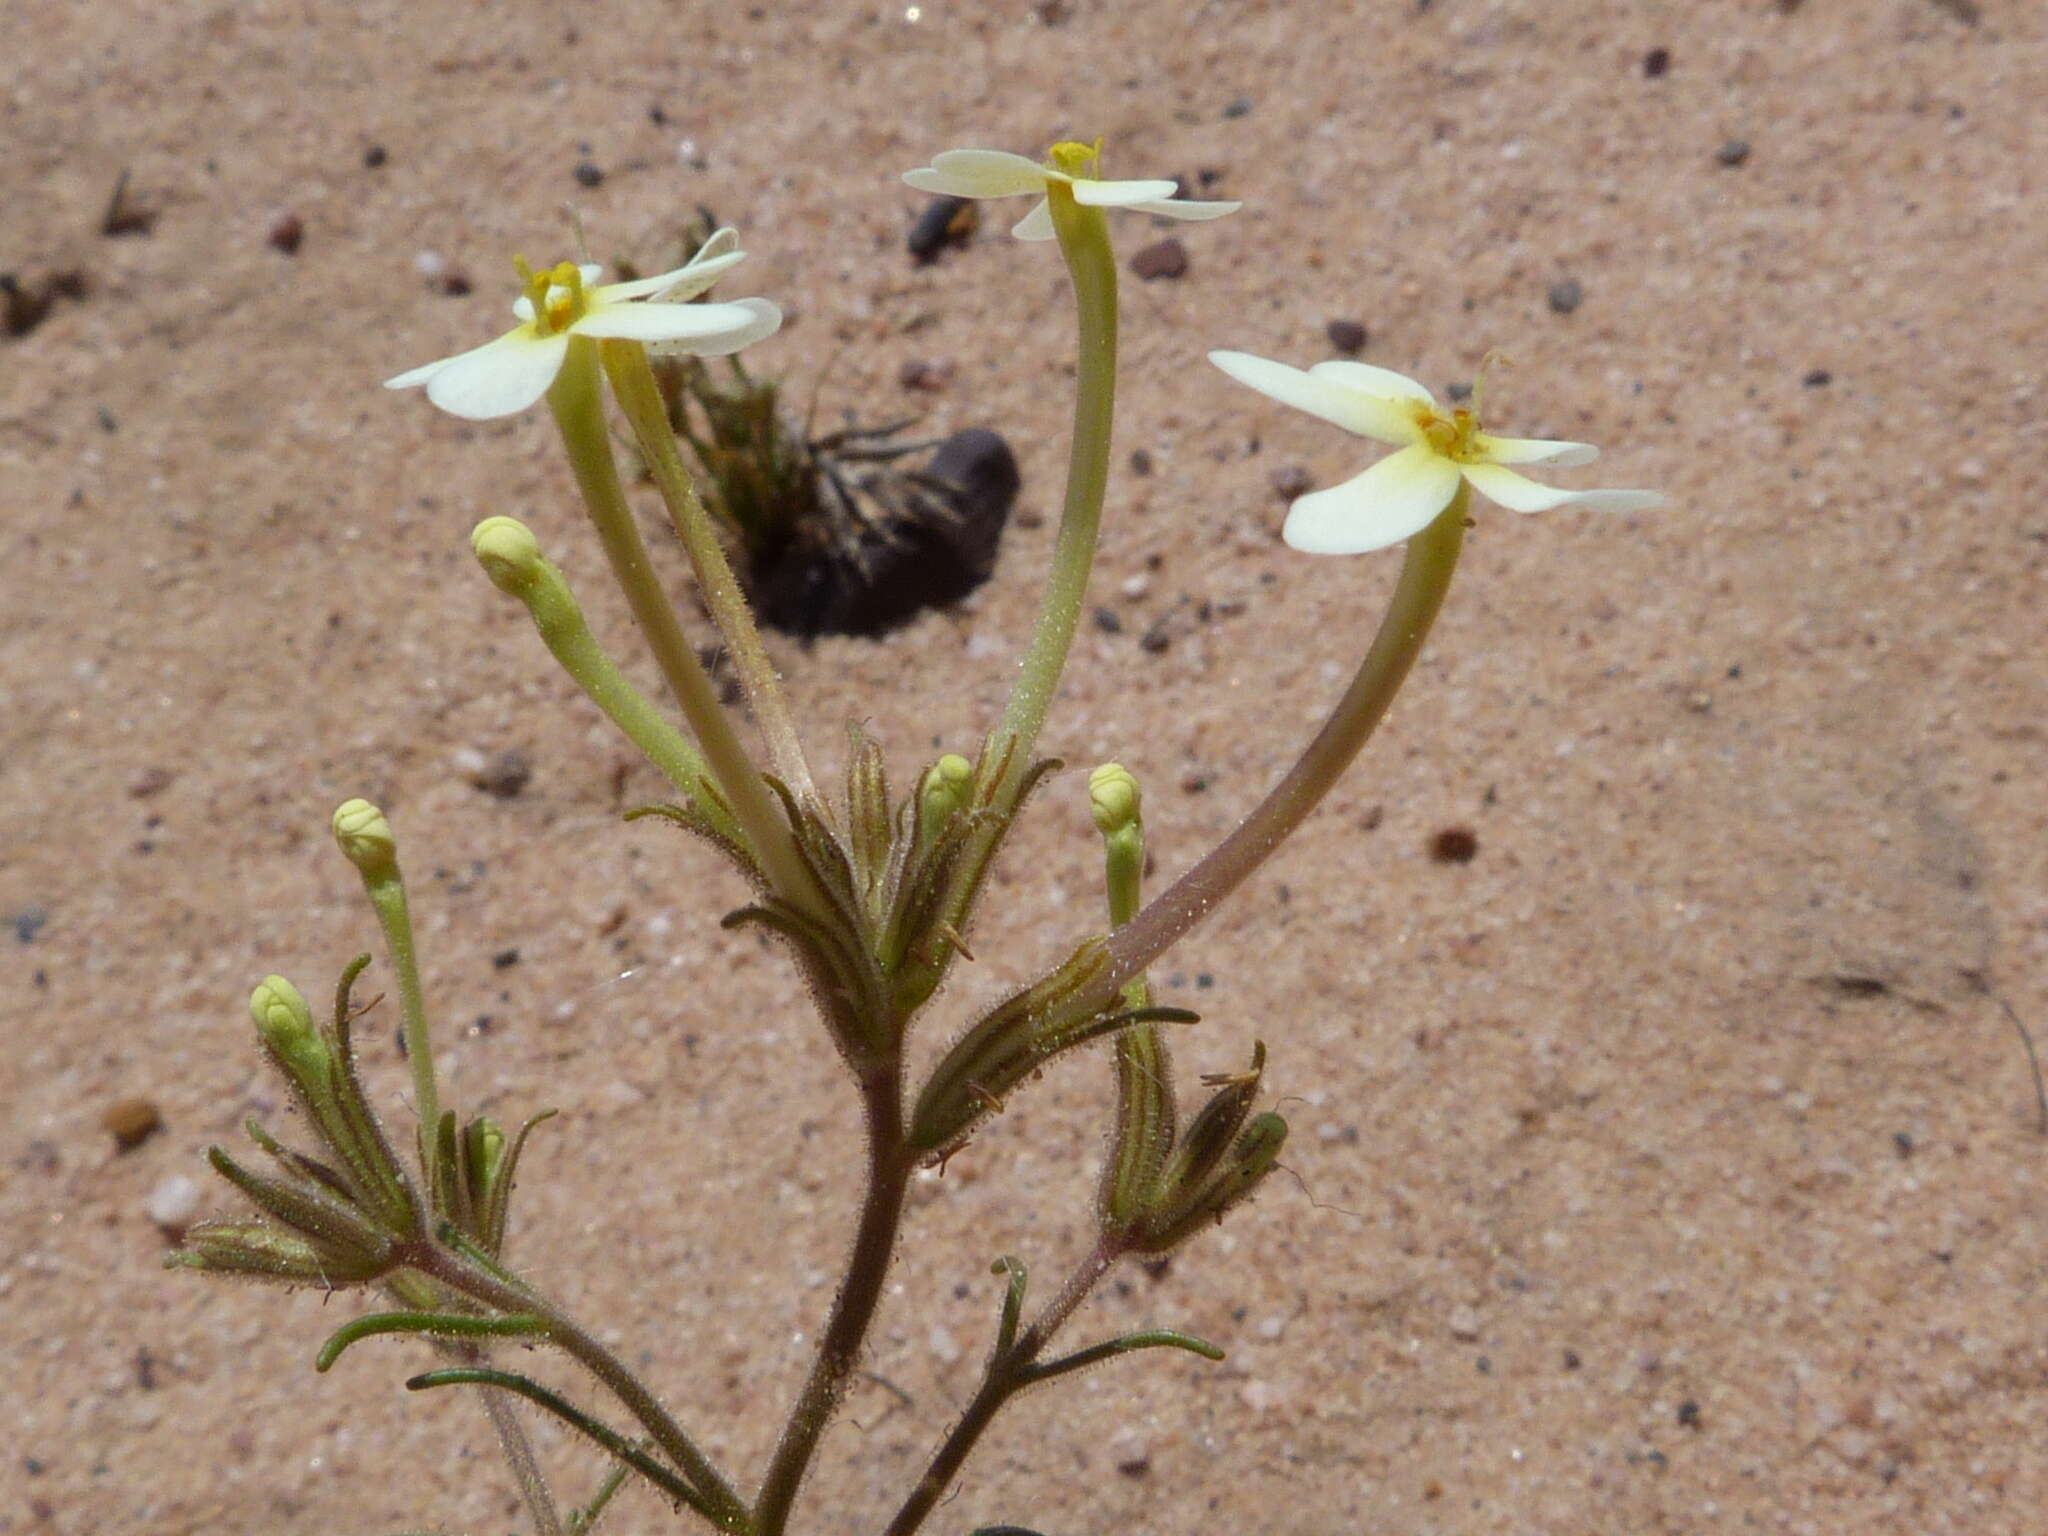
point(1670, 1166)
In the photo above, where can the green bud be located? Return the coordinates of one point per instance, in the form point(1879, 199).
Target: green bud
point(940, 795)
point(286, 1025)
point(365, 839)
point(1254, 1155)
point(1113, 798)
point(264, 1252)
point(509, 554)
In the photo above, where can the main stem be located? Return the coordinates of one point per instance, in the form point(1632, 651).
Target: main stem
point(1418, 597)
point(889, 1169)
point(1084, 241)
point(579, 412)
point(625, 364)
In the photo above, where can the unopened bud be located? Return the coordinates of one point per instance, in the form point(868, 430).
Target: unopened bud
point(508, 552)
point(1113, 798)
point(286, 1025)
point(365, 839)
point(941, 794)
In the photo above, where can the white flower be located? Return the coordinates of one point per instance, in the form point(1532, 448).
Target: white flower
point(509, 374)
point(1402, 494)
point(993, 173)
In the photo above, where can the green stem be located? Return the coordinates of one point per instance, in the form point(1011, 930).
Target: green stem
point(558, 619)
point(1432, 557)
point(889, 1169)
point(519, 1457)
point(1084, 241)
point(484, 1283)
point(1009, 1372)
point(633, 385)
point(386, 891)
point(579, 413)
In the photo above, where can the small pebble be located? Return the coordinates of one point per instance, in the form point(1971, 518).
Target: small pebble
point(1347, 336)
point(1141, 463)
point(173, 1203)
point(131, 1122)
point(153, 780)
point(1566, 296)
point(1166, 258)
point(1291, 480)
point(1733, 152)
point(1240, 106)
point(1656, 63)
point(925, 373)
point(504, 959)
point(1135, 587)
point(505, 775)
point(1158, 637)
point(1818, 378)
point(374, 156)
point(287, 233)
point(588, 174)
point(1130, 1455)
point(1464, 1323)
point(1107, 621)
point(1689, 1414)
point(944, 1347)
point(28, 922)
point(1454, 845)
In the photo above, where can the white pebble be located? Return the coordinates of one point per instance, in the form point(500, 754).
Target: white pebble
point(173, 1203)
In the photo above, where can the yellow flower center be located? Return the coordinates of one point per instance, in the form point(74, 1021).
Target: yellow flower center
point(1077, 160)
point(1454, 436)
point(556, 295)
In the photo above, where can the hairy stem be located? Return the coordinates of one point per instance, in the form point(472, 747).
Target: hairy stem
point(889, 1169)
point(1008, 1373)
point(503, 1294)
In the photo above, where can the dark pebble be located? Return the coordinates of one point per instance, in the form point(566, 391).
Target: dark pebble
point(1347, 336)
point(1164, 258)
point(454, 283)
point(924, 373)
point(153, 780)
point(1459, 390)
point(588, 174)
point(1656, 63)
point(1733, 152)
point(28, 922)
point(1817, 378)
point(1903, 1141)
point(1566, 296)
point(1158, 637)
point(131, 1122)
point(1141, 463)
point(374, 157)
point(1240, 106)
point(287, 233)
point(505, 775)
point(1290, 481)
point(1107, 621)
point(1454, 845)
point(945, 221)
point(1689, 1414)
point(504, 959)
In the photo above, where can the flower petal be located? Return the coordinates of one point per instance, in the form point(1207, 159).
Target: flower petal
point(1518, 493)
point(1037, 224)
point(1364, 377)
point(499, 378)
point(1122, 194)
point(414, 377)
point(1175, 208)
point(763, 320)
point(1394, 500)
point(1321, 395)
point(688, 323)
point(676, 287)
point(1532, 450)
point(981, 173)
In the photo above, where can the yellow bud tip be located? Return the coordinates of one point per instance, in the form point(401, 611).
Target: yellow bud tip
point(953, 770)
point(508, 552)
point(1077, 159)
point(365, 837)
point(1112, 798)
